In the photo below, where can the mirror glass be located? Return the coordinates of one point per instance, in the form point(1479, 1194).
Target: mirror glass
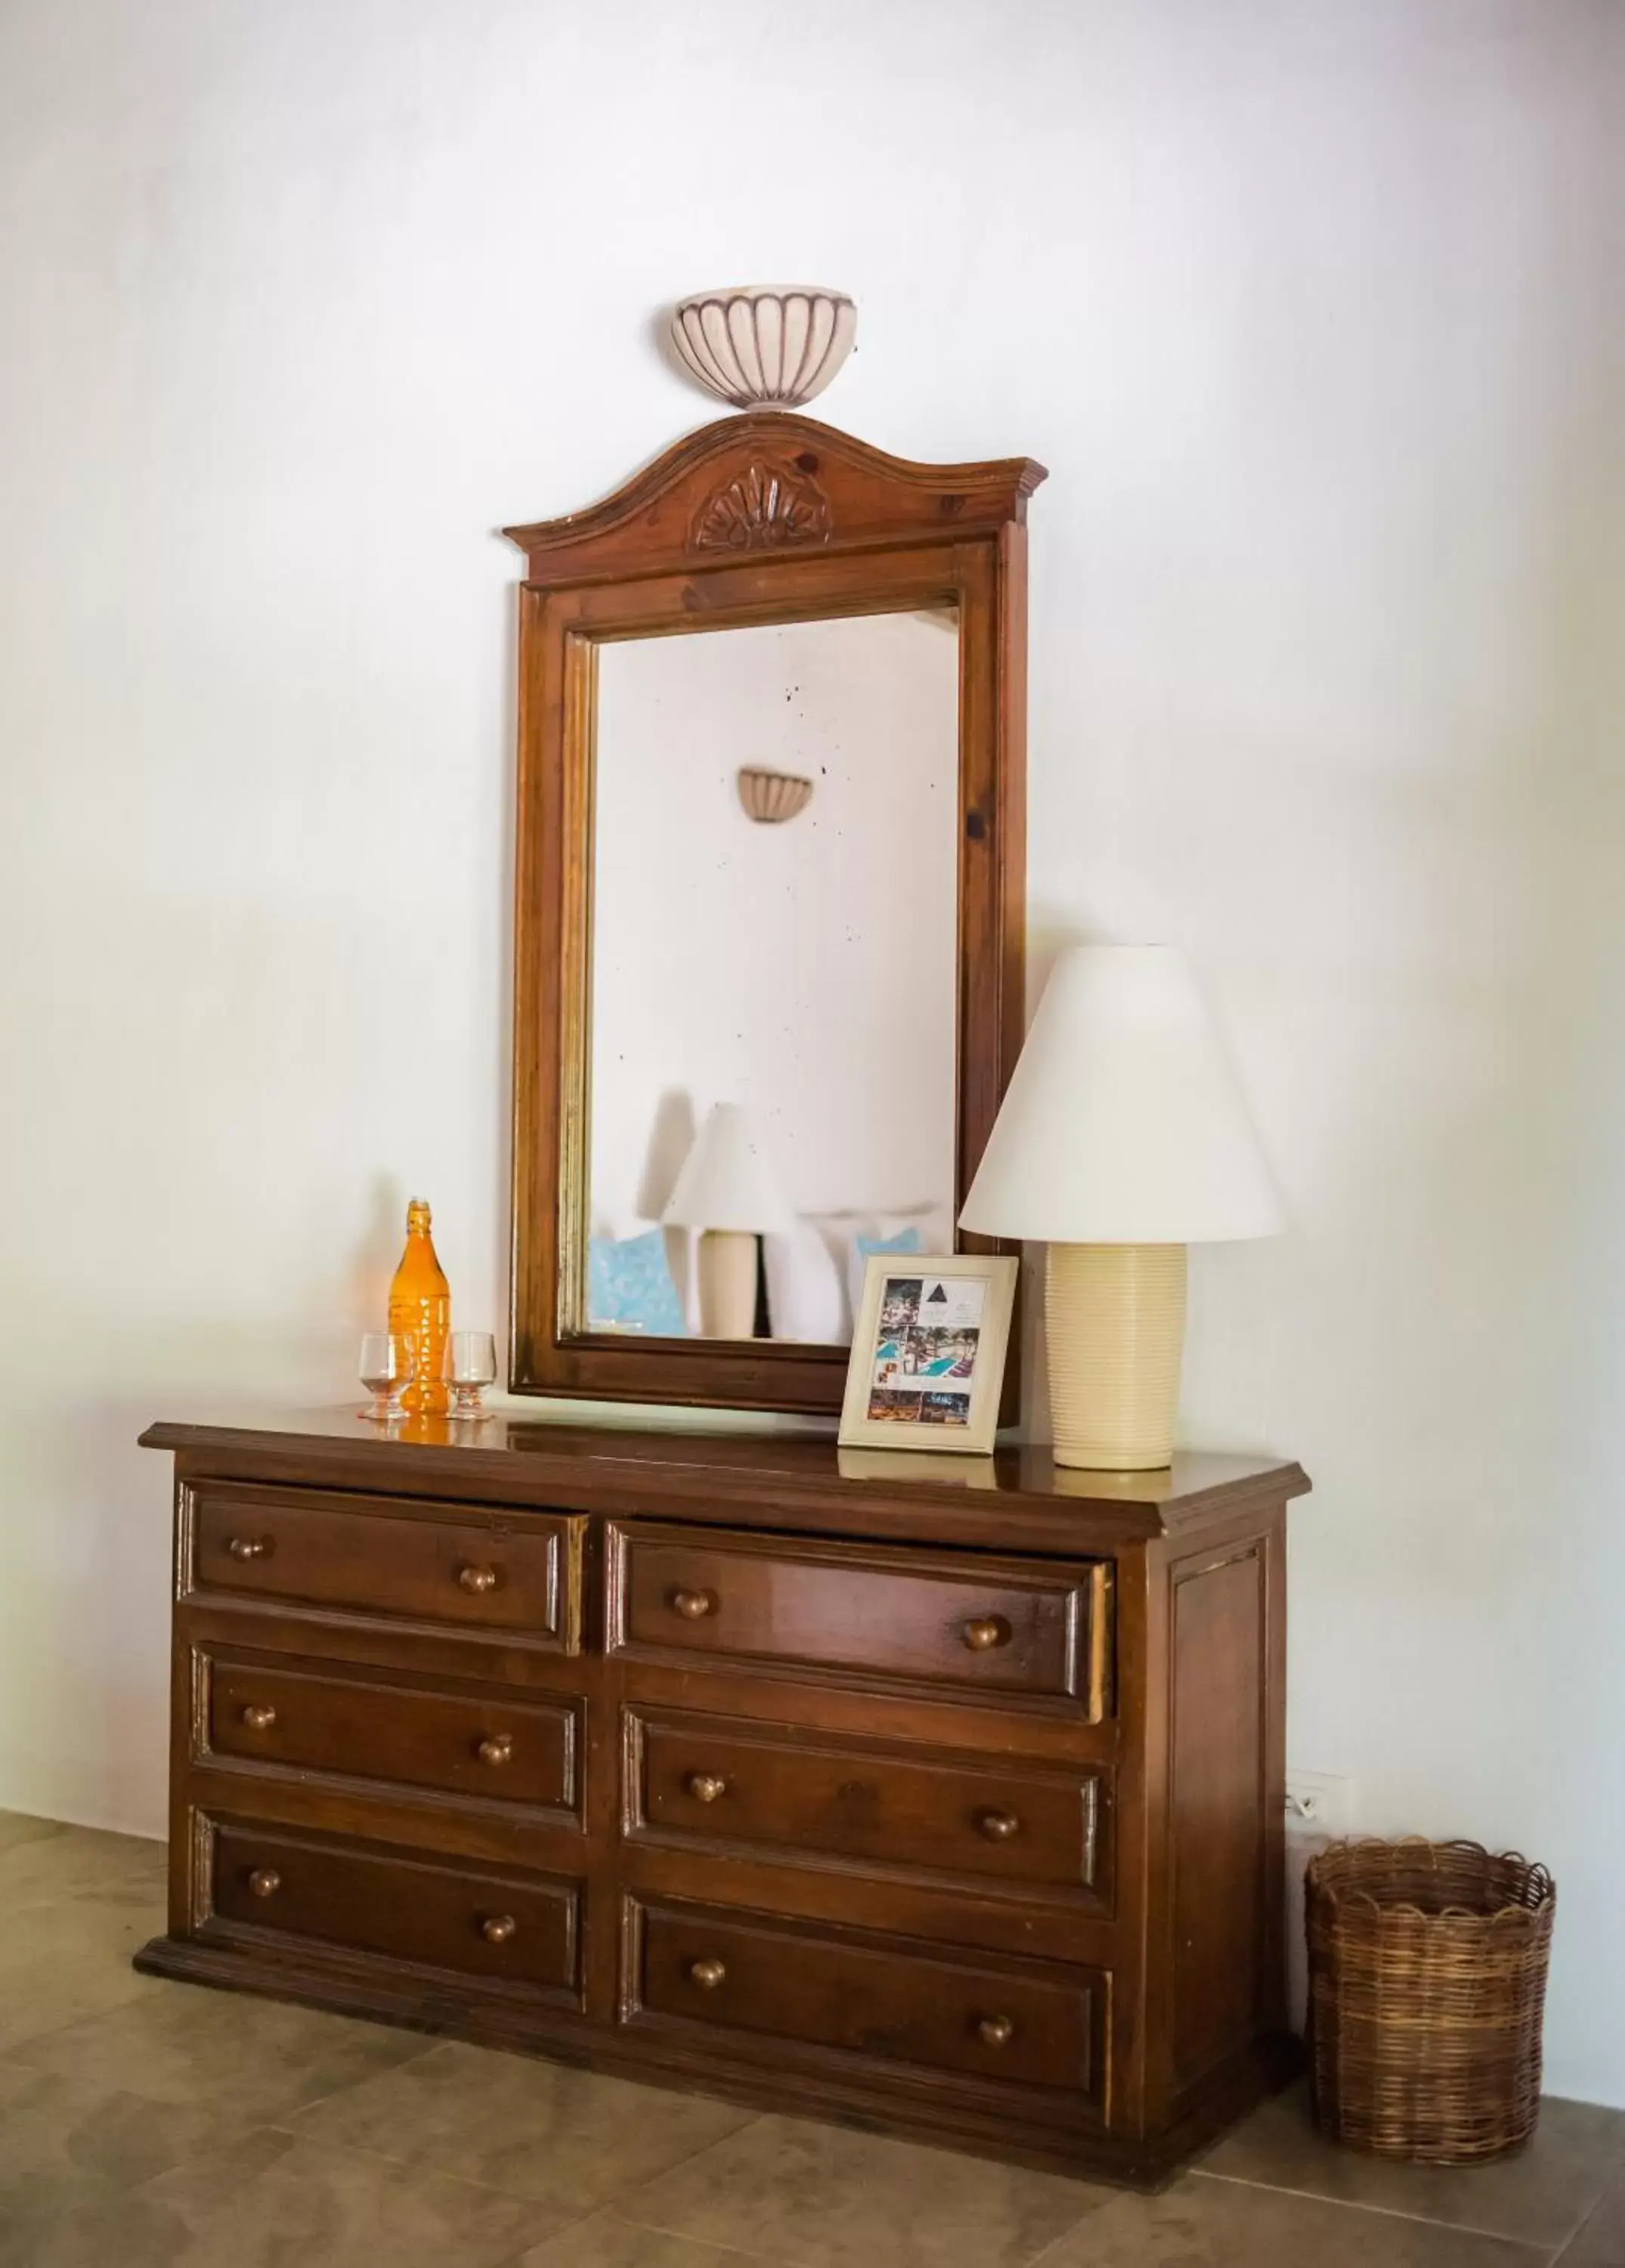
point(774, 963)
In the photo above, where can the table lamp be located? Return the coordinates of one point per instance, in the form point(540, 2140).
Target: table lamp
point(1123, 1138)
point(729, 1190)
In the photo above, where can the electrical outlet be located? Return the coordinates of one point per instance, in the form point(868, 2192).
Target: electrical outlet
point(1318, 1803)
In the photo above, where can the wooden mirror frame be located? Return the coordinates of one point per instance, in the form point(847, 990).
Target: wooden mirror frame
point(761, 518)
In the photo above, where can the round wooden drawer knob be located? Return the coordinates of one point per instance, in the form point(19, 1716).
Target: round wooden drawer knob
point(498, 1929)
point(705, 1787)
point(478, 1580)
point(995, 2031)
point(265, 1882)
point(708, 1975)
point(248, 1546)
point(258, 1716)
point(496, 1749)
point(999, 1826)
point(693, 1606)
point(986, 1631)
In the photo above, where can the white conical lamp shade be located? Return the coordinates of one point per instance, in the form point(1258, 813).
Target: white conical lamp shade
point(728, 1179)
point(1122, 1123)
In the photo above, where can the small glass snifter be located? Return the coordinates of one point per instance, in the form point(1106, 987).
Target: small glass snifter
point(386, 1368)
point(470, 1367)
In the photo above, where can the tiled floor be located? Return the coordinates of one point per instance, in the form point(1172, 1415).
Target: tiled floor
point(144, 2123)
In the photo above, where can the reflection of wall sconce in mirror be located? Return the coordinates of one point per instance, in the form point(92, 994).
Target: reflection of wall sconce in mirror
point(771, 798)
point(765, 346)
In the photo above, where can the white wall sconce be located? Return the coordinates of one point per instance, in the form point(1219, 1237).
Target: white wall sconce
point(765, 346)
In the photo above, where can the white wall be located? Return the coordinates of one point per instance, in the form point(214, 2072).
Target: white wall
point(1314, 309)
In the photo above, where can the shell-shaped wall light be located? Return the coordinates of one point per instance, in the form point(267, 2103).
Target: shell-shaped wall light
point(765, 345)
point(771, 798)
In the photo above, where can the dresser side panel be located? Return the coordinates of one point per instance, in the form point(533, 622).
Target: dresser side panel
point(1224, 1883)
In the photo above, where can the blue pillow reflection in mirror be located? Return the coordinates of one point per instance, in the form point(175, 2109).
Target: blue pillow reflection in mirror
point(906, 1240)
point(629, 1286)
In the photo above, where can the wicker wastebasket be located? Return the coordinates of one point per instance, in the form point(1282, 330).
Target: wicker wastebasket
point(1427, 1985)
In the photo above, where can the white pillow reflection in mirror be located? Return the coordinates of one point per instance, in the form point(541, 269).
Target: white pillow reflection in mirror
point(806, 1300)
point(815, 1270)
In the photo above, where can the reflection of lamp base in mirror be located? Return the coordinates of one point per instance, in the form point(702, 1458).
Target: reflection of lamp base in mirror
point(1115, 1318)
point(727, 1272)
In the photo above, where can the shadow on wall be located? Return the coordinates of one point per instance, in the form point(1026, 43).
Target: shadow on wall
point(377, 1254)
point(669, 1140)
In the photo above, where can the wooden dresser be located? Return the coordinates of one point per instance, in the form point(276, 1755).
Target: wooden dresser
point(940, 1794)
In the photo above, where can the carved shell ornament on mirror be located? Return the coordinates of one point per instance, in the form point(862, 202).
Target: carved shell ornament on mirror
point(762, 508)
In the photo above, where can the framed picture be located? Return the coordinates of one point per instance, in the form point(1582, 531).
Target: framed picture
point(927, 1352)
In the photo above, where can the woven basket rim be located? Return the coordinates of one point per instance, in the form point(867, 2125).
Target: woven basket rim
point(1358, 1898)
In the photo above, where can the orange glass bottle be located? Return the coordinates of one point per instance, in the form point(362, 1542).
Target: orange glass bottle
point(420, 1301)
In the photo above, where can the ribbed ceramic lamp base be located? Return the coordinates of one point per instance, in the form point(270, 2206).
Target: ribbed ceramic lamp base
point(1115, 1318)
point(727, 1272)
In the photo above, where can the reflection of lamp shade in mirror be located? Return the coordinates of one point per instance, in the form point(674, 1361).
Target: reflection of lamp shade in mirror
point(773, 796)
point(729, 1189)
point(728, 1179)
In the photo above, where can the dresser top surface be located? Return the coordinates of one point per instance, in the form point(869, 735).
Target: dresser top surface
point(745, 1473)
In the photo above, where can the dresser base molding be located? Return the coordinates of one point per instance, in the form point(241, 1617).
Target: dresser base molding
point(1265, 2067)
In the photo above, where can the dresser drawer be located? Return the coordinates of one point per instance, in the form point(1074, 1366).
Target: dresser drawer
point(357, 1727)
point(701, 1967)
point(503, 1928)
point(516, 1575)
point(705, 1781)
point(927, 1621)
